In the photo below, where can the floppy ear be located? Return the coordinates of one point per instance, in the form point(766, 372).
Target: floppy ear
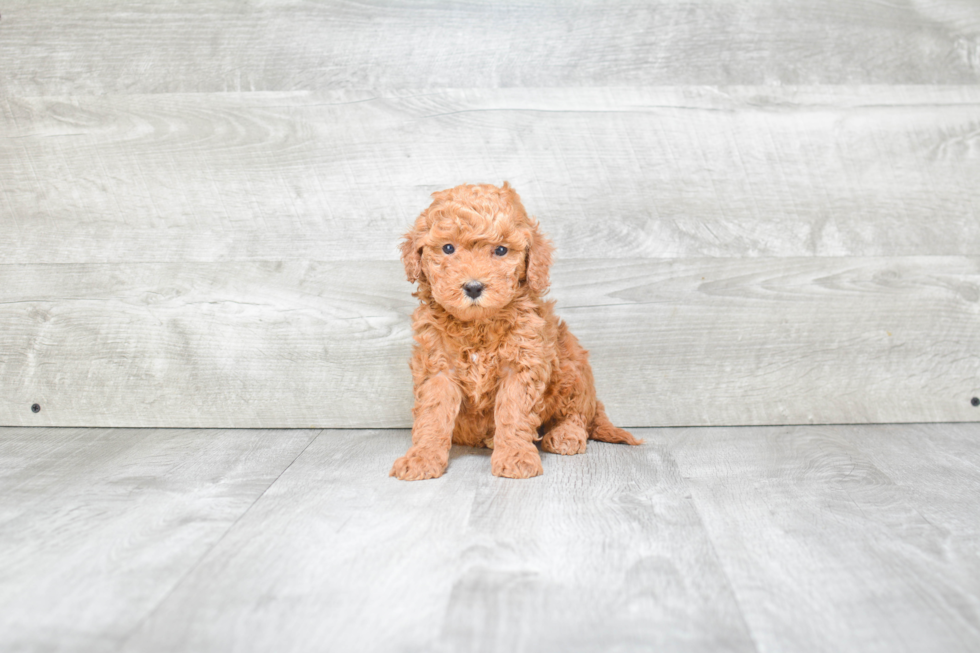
point(412, 243)
point(538, 260)
point(412, 250)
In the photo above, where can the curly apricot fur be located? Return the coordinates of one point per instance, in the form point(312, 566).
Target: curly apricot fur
point(498, 370)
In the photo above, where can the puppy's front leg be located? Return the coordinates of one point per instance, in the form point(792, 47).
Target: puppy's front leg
point(515, 425)
point(437, 403)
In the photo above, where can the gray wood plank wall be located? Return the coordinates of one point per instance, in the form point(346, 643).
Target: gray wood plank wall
point(765, 212)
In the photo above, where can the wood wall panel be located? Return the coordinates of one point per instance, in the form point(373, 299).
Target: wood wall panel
point(326, 344)
point(200, 203)
point(94, 47)
point(617, 172)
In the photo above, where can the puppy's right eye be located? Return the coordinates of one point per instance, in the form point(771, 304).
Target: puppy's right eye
point(448, 249)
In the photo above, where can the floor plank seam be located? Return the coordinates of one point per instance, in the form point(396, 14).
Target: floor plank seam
point(190, 571)
point(719, 561)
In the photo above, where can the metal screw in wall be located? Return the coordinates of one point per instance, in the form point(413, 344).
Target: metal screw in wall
point(36, 408)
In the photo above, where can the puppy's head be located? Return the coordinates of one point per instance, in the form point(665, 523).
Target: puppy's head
point(475, 249)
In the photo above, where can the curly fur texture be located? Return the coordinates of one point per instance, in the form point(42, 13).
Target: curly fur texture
point(497, 370)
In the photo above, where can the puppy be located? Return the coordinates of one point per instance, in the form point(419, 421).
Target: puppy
point(492, 366)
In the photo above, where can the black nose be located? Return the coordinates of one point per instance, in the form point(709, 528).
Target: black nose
point(473, 289)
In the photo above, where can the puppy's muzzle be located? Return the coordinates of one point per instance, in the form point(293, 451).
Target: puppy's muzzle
point(473, 289)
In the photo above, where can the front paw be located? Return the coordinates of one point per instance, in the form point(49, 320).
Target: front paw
point(510, 462)
point(419, 464)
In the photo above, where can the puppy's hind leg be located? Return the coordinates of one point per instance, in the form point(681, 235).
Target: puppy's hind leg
point(567, 437)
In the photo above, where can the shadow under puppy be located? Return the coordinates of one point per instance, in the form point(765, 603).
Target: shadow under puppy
point(493, 366)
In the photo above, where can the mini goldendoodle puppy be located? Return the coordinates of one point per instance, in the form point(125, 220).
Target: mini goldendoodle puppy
point(493, 366)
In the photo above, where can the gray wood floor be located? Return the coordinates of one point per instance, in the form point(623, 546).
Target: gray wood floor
point(805, 538)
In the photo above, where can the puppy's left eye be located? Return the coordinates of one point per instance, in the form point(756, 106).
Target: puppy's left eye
point(500, 251)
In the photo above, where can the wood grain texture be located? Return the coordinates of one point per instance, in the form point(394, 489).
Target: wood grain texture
point(326, 344)
point(98, 527)
point(942, 456)
point(856, 171)
point(827, 551)
point(191, 196)
point(209, 344)
point(809, 539)
point(96, 47)
point(605, 549)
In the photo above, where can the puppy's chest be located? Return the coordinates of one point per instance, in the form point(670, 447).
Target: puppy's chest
point(478, 372)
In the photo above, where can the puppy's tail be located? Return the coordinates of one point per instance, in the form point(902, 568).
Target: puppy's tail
point(604, 431)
